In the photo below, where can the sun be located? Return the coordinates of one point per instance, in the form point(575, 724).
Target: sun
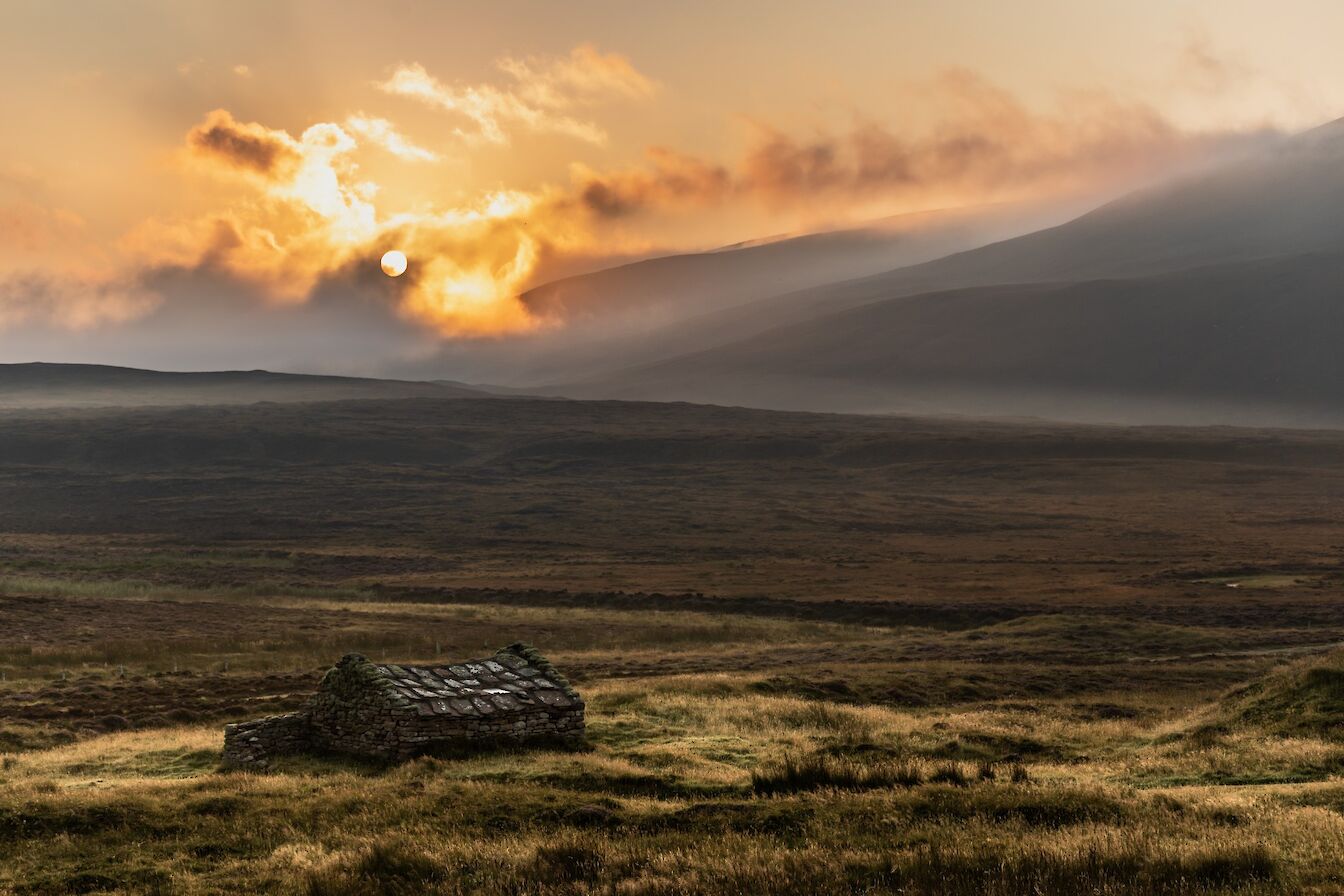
point(394, 263)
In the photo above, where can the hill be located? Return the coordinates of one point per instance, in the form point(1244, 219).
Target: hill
point(93, 385)
point(1243, 342)
point(670, 305)
point(1304, 699)
point(1281, 199)
point(1212, 299)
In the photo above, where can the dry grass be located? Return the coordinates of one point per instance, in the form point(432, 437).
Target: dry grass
point(918, 657)
point(698, 782)
point(670, 800)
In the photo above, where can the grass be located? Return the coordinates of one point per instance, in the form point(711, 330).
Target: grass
point(796, 774)
point(828, 799)
point(820, 654)
point(1306, 698)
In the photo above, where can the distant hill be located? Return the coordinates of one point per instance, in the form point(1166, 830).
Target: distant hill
point(1250, 342)
point(666, 306)
point(692, 283)
point(1284, 199)
point(1218, 298)
point(92, 385)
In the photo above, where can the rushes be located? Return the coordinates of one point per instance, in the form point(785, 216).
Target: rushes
point(1113, 865)
point(1117, 867)
point(819, 771)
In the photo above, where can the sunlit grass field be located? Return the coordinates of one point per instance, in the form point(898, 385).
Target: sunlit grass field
point(751, 775)
point(684, 791)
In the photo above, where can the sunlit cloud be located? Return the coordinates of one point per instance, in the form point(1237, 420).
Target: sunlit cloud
point(71, 301)
point(309, 217)
point(987, 146)
point(28, 228)
point(309, 210)
point(668, 179)
point(382, 132)
point(55, 273)
point(302, 215)
point(247, 148)
point(585, 75)
point(540, 97)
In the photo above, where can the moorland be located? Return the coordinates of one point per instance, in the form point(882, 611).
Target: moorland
point(821, 653)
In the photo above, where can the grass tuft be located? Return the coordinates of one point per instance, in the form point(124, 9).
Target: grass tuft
point(794, 774)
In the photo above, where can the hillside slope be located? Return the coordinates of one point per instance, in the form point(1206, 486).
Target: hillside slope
point(667, 306)
point(1256, 341)
point(1216, 295)
point(93, 385)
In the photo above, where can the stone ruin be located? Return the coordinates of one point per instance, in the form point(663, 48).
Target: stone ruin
point(389, 712)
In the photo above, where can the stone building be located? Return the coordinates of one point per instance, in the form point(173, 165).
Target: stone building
point(384, 711)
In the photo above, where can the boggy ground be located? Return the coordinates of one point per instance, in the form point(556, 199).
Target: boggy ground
point(822, 654)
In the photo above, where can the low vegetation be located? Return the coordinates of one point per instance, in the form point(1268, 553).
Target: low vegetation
point(694, 785)
point(1306, 699)
point(932, 658)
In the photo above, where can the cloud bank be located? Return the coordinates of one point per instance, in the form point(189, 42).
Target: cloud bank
point(539, 97)
point(987, 146)
point(303, 216)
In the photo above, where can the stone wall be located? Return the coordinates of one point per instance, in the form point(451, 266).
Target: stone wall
point(353, 711)
point(358, 711)
point(382, 735)
point(249, 744)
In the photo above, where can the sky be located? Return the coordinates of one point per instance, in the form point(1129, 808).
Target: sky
point(184, 183)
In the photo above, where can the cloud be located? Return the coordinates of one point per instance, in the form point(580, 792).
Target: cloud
point(1208, 70)
point(71, 302)
point(304, 218)
point(540, 98)
point(986, 146)
point(28, 228)
point(242, 71)
point(309, 219)
point(53, 271)
point(382, 132)
point(670, 179)
point(248, 148)
point(586, 74)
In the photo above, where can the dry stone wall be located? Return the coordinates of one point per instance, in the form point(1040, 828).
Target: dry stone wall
point(250, 743)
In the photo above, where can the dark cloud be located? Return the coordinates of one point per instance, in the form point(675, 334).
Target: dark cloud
point(670, 179)
point(986, 145)
point(248, 147)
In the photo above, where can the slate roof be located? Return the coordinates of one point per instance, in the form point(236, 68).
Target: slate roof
point(516, 679)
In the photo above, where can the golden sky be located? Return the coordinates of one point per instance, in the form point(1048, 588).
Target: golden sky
point(280, 146)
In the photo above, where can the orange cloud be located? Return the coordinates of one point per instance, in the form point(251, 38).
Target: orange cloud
point(71, 301)
point(54, 272)
point(987, 146)
point(304, 215)
point(670, 179)
point(585, 75)
point(382, 132)
point(28, 229)
point(539, 100)
point(311, 218)
point(249, 148)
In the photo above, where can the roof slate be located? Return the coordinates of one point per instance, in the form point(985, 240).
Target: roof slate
point(502, 684)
